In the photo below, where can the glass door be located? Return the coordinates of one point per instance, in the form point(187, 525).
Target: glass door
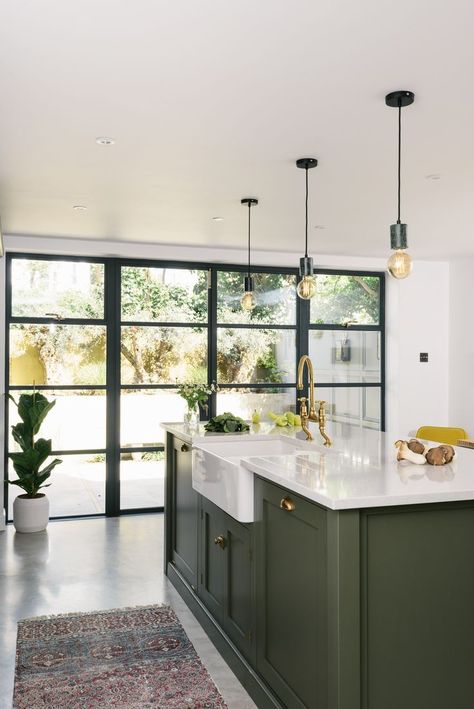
point(57, 343)
point(164, 337)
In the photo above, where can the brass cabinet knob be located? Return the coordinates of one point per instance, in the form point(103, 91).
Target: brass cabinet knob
point(287, 504)
point(220, 541)
point(184, 448)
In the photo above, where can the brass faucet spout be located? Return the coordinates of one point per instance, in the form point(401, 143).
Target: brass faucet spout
point(311, 415)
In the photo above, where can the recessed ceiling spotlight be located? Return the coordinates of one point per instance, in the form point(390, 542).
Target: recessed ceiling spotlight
point(104, 140)
point(80, 207)
point(217, 219)
point(433, 176)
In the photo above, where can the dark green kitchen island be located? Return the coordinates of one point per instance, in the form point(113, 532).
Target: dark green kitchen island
point(319, 608)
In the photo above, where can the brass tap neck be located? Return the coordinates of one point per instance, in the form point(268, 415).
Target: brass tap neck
point(306, 362)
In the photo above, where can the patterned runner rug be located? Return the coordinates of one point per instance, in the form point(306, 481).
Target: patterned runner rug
point(131, 658)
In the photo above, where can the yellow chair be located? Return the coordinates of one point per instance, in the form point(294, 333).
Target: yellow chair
point(442, 434)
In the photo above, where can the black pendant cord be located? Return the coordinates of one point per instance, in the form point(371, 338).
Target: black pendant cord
point(249, 242)
point(306, 221)
point(399, 156)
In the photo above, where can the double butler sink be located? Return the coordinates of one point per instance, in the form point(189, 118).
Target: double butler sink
point(218, 473)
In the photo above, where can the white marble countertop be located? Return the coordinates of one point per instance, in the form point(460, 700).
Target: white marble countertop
point(360, 470)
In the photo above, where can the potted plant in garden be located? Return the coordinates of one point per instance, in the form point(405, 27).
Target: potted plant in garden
point(195, 395)
point(31, 509)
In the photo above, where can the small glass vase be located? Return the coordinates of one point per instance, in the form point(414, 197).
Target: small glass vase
point(191, 416)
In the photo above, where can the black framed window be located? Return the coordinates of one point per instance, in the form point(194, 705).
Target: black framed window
point(110, 338)
point(346, 344)
point(256, 351)
point(164, 340)
point(57, 344)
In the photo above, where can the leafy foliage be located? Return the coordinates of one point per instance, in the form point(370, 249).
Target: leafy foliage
point(340, 299)
point(226, 423)
point(164, 354)
point(32, 409)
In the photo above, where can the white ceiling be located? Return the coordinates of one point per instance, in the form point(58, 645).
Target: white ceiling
point(211, 100)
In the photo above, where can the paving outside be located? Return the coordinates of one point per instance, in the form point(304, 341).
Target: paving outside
point(78, 486)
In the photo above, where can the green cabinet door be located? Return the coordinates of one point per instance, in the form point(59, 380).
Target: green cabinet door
point(184, 513)
point(238, 619)
point(291, 575)
point(226, 580)
point(212, 559)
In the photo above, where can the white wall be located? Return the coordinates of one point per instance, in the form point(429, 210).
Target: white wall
point(461, 341)
point(417, 317)
point(416, 394)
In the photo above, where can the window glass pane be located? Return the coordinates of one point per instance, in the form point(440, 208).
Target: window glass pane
point(142, 411)
point(245, 356)
point(77, 486)
point(164, 294)
point(77, 420)
point(163, 355)
point(57, 354)
point(338, 356)
point(72, 289)
point(243, 402)
point(341, 298)
point(142, 478)
point(358, 405)
point(275, 294)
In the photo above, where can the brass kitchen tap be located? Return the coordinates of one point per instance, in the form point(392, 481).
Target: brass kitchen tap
point(306, 417)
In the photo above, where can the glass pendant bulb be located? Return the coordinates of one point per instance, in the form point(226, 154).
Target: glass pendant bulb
point(306, 288)
point(400, 264)
point(248, 301)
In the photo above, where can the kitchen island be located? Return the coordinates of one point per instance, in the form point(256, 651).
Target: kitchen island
point(351, 586)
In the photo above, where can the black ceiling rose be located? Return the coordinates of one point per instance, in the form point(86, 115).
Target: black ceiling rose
point(399, 99)
point(306, 163)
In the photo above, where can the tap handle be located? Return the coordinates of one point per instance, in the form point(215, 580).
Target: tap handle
point(322, 412)
point(303, 407)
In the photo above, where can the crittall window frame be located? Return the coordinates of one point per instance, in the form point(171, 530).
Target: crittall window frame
point(113, 322)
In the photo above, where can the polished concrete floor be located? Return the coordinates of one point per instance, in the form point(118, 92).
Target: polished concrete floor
point(83, 565)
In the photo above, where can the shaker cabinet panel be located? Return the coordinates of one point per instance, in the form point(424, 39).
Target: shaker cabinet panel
point(212, 559)
point(184, 513)
point(226, 578)
point(291, 596)
point(238, 610)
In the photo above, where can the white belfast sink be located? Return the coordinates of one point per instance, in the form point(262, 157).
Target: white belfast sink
point(219, 476)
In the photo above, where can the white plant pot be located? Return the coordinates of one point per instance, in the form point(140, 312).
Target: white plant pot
point(30, 514)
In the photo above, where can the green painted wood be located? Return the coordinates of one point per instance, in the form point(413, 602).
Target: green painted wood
point(238, 621)
point(291, 572)
point(343, 535)
point(184, 512)
point(243, 669)
point(211, 587)
point(418, 607)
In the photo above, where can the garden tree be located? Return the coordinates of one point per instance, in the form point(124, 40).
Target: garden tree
point(342, 298)
point(76, 354)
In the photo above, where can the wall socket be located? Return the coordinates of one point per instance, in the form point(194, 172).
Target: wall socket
point(423, 356)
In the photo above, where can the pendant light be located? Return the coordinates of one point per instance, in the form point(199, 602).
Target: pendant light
point(399, 264)
point(248, 300)
point(307, 286)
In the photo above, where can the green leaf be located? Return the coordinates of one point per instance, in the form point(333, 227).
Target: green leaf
point(22, 435)
point(50, 467)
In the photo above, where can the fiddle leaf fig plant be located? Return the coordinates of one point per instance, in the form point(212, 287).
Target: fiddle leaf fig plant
point(32, 409)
